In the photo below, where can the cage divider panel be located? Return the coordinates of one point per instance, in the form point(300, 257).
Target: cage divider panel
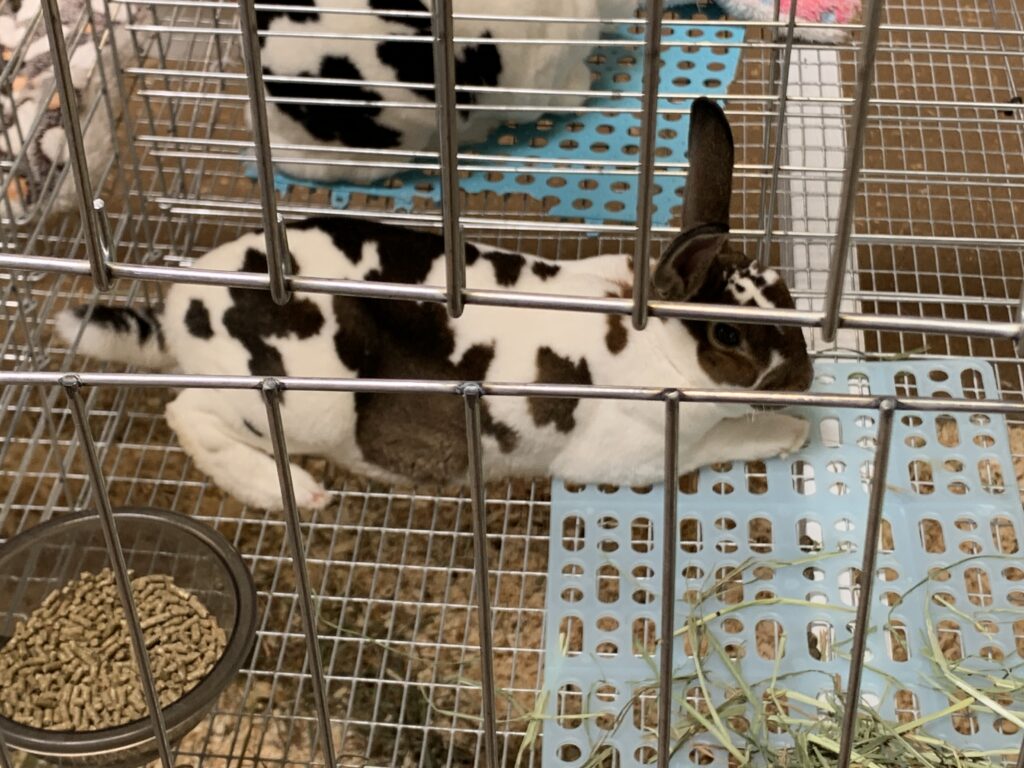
point(951, 510)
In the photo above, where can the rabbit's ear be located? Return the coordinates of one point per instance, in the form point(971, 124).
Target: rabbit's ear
point(684, 265)
point(709, 180)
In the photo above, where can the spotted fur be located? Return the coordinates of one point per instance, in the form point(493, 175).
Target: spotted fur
point(211, 329)
point(309, 78)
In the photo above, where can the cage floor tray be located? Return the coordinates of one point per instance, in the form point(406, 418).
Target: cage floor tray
point(754, 535)
point(599, 194)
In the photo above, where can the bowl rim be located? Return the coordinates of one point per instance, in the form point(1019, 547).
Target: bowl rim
point(136, 733)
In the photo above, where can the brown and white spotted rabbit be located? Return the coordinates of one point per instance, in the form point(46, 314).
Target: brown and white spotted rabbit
point(207, 329)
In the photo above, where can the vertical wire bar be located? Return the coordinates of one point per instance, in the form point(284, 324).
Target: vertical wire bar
point(103, 222)
point(472, 394)
point(886, 410)
point(271, 391)
point(1019, 346)
point(780, 126)
point(1020, 757)
point(773, 78)
point(854, 159)
point(72, 386)
point(448, 148)
point(668, 579)
point(278, 256)
point(645, 182)
point(76, 144)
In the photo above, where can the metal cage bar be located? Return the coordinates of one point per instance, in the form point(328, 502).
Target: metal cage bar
point(278, 256)
point(447, 131)
point(105, 514)
point(848, 728)
point(768, 212)
point(271, 391)
point(851, 176)
point(668, 579)
point(472, 394)
point(499, 298)
point(92, 230)
point(645, 183)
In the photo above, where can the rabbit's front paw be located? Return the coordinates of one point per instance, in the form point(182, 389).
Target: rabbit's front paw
point(309, 494)
point(793, 434)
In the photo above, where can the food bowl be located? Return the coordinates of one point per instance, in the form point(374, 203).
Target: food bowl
point(48, 556)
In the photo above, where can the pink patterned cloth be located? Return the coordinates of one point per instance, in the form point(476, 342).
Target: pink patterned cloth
point(812, 11)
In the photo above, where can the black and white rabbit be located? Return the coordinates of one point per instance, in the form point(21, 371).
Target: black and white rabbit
point(206, 329)
point(382, 67)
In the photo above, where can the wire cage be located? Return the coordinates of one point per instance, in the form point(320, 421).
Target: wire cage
point(881, 170)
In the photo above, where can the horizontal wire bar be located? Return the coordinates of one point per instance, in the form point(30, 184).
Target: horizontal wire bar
point(251, 210)
point(288, 8)
point(497, 298)
point(593, 42)
point(494, 389)
point(570, 109)
point(576, 166)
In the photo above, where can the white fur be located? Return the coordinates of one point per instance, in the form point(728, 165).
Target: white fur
point(103, 344)
point(524, 66)
point(613, 441)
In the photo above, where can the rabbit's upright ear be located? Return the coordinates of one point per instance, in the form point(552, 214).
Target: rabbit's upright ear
point(709, 180)
point(684, 265)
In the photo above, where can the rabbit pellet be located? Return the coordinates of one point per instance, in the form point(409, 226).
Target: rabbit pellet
point(70, 667)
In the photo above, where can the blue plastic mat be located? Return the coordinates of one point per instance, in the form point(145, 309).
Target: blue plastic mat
point(952, 509)
point(596, 195)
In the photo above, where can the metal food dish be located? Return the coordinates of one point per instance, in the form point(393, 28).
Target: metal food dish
point(198, 558)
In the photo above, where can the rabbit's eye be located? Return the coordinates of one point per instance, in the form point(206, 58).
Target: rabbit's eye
point(726, 335)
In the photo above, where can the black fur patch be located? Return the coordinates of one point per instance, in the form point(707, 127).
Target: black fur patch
point(552, 368)
point(480, 65)
point(356, 337)
point(473, 367)
point(197, 320)
point(264, 18)
point(348, 124)
point(507, 266)
point(413, 62)
point(406, 256)
point(254, 317)
point(544, 270)
point(119, 319)
point(419, 23)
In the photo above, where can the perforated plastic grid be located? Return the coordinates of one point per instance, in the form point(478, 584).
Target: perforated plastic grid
point(595, 195)
point(796, 527)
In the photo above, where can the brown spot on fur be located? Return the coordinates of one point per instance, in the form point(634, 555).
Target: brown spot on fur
point(552, 368)
point(616, 337)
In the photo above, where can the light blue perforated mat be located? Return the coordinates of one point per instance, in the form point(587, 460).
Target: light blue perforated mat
point(597, 194)
point(794, 528)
